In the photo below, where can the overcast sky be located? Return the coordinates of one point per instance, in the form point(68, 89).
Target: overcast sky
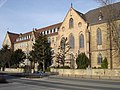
point(20, 16)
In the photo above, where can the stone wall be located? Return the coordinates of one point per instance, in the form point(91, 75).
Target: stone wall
point(88, 72)
point(14, 70)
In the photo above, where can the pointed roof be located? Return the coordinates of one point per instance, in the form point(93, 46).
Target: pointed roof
point(92, 16)
point(80, 14)
point(12, 36)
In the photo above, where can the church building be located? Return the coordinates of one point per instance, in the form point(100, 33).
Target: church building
point(86, 33)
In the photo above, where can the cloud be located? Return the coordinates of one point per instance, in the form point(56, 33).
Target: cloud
point(2, 2)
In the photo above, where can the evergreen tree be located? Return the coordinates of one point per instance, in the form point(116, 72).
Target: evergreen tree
point(104, 64)
point(62, 51)
point(41, 52)
point(5, 57)
point(82, 61)
point(17, 57)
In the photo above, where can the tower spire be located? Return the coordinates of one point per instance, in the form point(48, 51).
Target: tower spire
point(71, 5)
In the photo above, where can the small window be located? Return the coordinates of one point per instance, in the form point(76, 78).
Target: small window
point(99, 59)
point(71, 23)
point(51, 31)
point(63, 28)
point(100, 17)
point(56, 38)
point(54, 30)
point(119, 31)
point(53, 40)
point(79, 24)
point(71, 41)
point(48, 39)
point(62, 43)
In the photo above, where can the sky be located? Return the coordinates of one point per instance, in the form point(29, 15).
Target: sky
point(21, 16)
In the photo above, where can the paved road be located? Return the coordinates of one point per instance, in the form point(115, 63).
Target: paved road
point(59, 83)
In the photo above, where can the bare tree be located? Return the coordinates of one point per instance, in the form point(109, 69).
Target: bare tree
point(112, 14)
point(62, 51)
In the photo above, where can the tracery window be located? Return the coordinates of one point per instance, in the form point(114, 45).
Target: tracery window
point(71, 23)
point(81, 41)
point(99, 37)
point(71, 41)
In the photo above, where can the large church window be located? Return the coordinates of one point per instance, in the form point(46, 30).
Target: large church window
point(71, 41)
point(71, 23)
point(81, 41)
point(99, 37)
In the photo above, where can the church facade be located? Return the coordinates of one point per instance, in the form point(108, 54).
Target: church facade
point(86, 33)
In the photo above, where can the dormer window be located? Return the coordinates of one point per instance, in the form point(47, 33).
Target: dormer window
point(100, 17)
point(54, 29)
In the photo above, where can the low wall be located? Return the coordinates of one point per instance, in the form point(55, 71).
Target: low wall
point(104, 73)
point(14, 70)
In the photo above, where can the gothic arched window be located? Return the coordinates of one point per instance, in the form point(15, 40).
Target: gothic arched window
point(71, 23)
point(71, 41)
point(81, 41)
point(99, 58)
point(99, 37)
point(62, 43)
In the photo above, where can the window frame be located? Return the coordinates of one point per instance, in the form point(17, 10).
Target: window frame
point(71, 23)
point(99, 36)
point(81, 41)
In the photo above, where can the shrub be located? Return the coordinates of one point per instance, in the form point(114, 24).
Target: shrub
point(104, 64)
point(48, 69)
point(82, 61)
point(63, 67)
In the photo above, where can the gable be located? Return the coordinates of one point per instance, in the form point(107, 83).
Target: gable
point(7, 40)
point(78, 19)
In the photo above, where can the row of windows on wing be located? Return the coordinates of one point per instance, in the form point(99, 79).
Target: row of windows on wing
point(49, 31)
point(23, 38)
point(22, 45)
point(52, 40)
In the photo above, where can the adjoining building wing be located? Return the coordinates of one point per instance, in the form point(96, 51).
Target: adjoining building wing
point(10, 38)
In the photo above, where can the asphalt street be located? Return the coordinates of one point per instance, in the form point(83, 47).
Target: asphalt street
point(58, 83)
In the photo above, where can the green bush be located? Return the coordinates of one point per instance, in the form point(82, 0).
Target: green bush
point(82, 61)
point(104, 64)
point(48, 69)
point(63, 67)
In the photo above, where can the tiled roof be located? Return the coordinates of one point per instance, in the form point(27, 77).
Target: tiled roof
point(92, 16)
point(24, 34)
point(36, 32)
point(12, 36)
point(49, 27)
point(80, 14)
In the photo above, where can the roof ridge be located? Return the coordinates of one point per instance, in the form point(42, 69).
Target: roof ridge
point(12, 33)
point(49, 26)
point(101, 7)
